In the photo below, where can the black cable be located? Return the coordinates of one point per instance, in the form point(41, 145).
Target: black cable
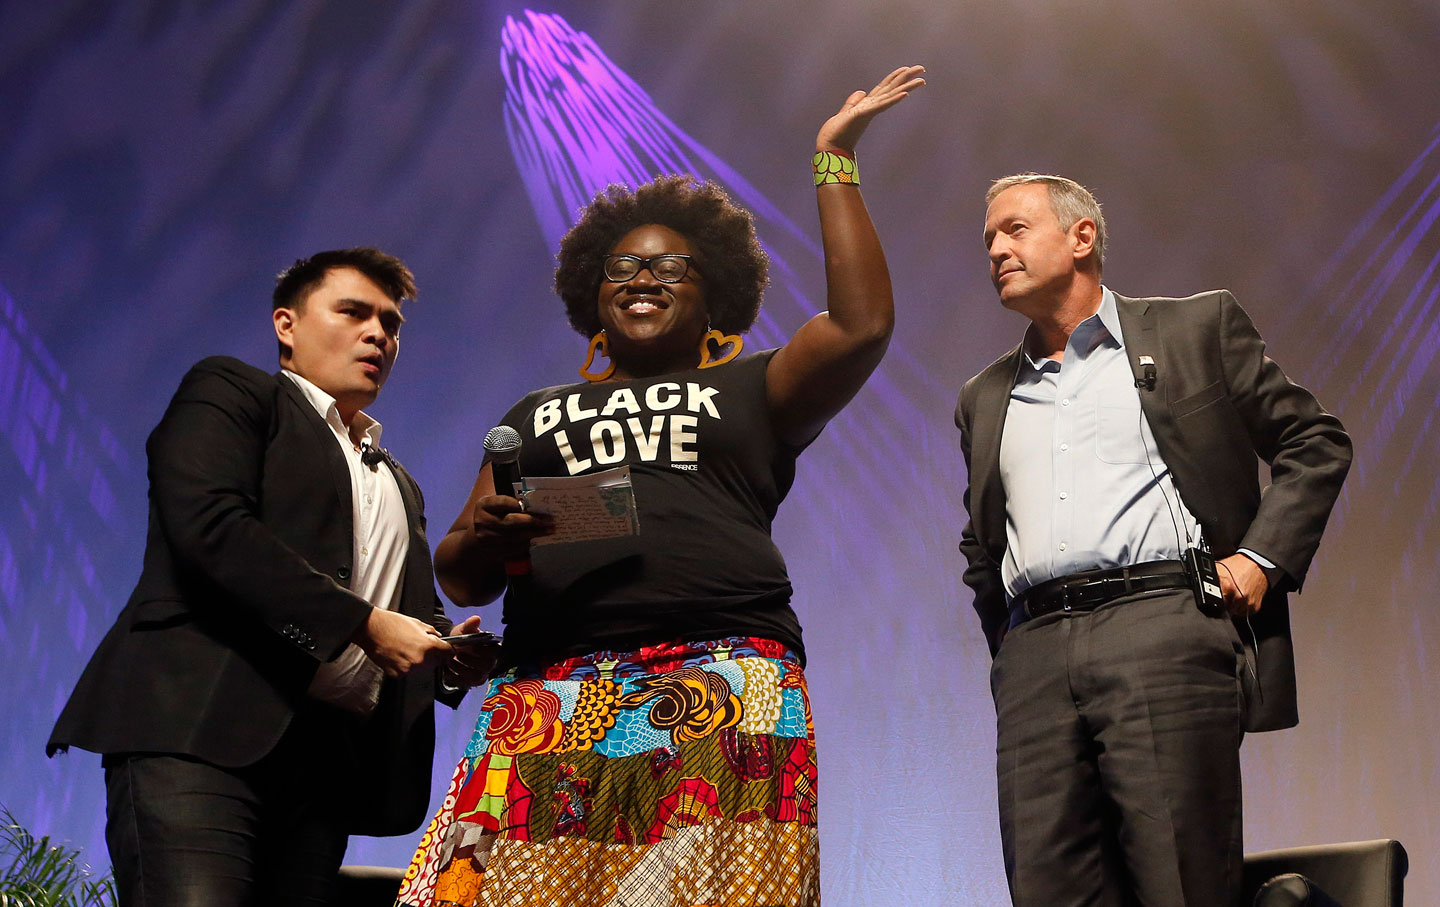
point(1169, 511)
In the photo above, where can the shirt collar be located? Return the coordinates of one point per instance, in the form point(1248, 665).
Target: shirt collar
point(362, 426)
point(1103, 325)
point(1109, 315)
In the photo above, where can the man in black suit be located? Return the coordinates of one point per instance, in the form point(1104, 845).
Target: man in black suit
point(1120, 434)
point(268, 689)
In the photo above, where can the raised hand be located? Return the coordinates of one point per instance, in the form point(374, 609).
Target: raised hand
point(844, 129)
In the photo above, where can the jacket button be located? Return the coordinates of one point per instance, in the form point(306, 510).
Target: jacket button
point(343, 573)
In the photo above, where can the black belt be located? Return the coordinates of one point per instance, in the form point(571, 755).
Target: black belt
point(1088, 590)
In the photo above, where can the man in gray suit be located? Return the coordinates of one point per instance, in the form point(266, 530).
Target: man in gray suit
point(1119, 438)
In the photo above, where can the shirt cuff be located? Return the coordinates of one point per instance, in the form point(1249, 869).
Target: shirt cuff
point(1273, 575)
point(450, 686)
point(1258, 558)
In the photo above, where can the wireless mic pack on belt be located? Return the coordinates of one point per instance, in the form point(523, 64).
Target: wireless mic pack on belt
point(1204, 581)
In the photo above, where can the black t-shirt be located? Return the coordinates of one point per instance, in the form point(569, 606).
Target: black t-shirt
point(708, 473)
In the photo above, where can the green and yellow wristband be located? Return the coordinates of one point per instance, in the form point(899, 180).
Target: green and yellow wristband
point(835, 167)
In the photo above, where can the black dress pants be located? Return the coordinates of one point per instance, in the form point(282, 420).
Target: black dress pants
point(1118, 756)
point(183, 832)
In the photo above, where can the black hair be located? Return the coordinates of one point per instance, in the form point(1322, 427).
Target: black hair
point(735, 267)
point(295, 284)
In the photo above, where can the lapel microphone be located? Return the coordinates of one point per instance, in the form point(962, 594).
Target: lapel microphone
point(371, 455)
point(1147, 371)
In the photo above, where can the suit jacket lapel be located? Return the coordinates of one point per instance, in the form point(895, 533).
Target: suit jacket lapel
point(1143, 337)
point(992, 400)
point(332, 459)
point(418, 554)
point(407, 492)
point(1141, 334)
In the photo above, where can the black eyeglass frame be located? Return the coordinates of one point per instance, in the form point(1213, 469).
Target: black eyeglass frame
point(644, 265)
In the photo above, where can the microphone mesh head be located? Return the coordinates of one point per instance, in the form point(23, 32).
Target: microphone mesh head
point(502, 443)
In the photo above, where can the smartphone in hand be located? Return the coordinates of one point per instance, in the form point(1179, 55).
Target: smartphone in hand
point(477, 640)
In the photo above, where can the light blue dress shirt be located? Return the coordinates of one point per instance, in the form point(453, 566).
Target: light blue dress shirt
point(1085, 485)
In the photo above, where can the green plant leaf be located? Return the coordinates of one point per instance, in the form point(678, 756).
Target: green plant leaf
point(36, 873)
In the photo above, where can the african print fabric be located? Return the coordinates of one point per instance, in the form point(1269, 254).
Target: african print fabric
point(680, 775)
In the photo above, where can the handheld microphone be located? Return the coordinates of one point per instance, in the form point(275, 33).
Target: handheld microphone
point(1147, 370)
point(502, 448)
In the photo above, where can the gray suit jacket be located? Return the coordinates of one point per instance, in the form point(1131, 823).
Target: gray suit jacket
point(1218, 402)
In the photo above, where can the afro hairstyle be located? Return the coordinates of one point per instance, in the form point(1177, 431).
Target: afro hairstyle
point(729, 256)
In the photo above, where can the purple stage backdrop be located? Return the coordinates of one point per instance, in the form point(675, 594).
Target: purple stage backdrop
point(159, 161)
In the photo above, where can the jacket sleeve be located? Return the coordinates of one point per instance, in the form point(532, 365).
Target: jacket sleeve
point(435, 614)
point(444, 692)
point(206, 462)
point(982, 574)
point(1307, 448)
point(409, 488)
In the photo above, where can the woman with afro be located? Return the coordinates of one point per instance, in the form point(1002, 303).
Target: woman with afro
point(648, 740)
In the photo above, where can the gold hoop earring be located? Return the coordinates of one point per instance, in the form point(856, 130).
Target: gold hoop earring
point(734, 341)
point(598, 342)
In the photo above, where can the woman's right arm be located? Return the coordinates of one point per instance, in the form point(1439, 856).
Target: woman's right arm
point(490, 530)
point(830, 357)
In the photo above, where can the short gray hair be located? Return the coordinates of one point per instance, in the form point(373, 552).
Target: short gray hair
point(1068, 199)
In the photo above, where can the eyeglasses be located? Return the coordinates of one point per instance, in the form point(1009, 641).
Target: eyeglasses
point(670, 268)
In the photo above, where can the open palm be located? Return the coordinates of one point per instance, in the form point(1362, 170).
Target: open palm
point(844, 129)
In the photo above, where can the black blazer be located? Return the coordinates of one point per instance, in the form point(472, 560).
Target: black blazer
point(1218, 402)
point(243, 595)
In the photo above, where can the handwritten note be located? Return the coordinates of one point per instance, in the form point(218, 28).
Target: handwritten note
point(600, 505)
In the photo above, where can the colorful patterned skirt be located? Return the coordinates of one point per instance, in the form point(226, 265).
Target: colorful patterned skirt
point(676, 776)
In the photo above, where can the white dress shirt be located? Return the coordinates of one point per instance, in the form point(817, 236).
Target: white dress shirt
point(382, 539)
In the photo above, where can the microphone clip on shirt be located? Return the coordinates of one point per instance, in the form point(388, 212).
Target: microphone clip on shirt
point(1147, 373)
point(371, 455)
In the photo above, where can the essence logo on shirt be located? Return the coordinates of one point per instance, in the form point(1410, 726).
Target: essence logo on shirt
point(609, 438)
